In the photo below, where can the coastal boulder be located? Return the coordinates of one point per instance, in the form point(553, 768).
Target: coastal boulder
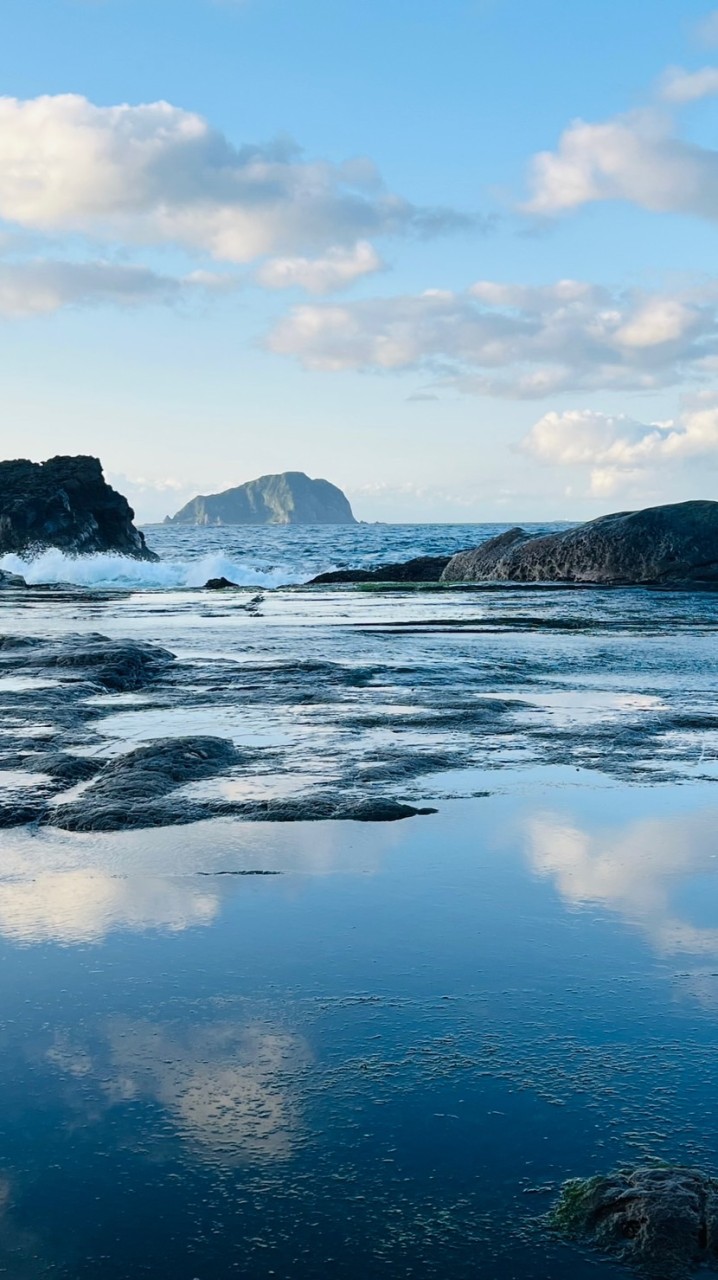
point(66, 503)
point(421, 569)
point(677, 543)
point(661, 1221)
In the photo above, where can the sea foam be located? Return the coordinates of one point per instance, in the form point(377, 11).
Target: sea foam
point(114, 571)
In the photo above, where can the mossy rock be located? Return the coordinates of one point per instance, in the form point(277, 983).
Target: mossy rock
point(662, 1221)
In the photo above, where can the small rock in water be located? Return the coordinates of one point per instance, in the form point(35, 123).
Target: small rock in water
point(11, 580)
point(219, 584)
point(661, 1221)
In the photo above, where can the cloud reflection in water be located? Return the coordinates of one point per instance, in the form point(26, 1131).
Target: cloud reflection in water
point(637, 870)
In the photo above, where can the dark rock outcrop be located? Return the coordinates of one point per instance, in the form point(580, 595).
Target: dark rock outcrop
point(142, 789)
point(11, 580)
point(65, 503)
point(662, 1222)
point(421, 569)
point(219, 584)
point(131, 791)
point(117, 666)
point(288, 498)
point(327, 807)
point(676, 543)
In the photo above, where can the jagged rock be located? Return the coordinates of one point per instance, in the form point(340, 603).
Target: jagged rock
point(65, 503)
point(219, 584)
point(420, 569)
point(675, 543)
point(662, 1222)
point(288, 498)
point(11, 580)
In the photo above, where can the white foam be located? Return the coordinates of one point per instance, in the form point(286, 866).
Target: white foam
point(107, 570)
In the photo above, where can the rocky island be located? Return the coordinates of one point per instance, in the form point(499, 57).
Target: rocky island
point(288, 498)
point(65, 503)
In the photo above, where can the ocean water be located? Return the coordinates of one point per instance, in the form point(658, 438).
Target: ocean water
point(323, 1048)
point(254, 556)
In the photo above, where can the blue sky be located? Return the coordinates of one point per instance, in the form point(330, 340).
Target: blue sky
point(459, 258)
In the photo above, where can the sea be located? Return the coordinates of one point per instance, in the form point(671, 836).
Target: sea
point(364, 1050)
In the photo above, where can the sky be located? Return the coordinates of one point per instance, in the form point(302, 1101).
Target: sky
point(458, 257)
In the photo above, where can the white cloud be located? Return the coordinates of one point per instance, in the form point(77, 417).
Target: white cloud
point(617, 449)
point(679, 86)
point(40, 286)
point(156, 174)
point(514, 340)
point(337, 269)
point(636, 157)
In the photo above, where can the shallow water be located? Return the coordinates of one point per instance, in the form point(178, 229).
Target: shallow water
point(315, 1049)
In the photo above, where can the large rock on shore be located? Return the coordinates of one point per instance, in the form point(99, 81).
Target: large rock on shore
point(676, 543)
point(66, 503)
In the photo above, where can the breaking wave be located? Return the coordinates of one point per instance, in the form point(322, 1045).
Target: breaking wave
point(105, 570)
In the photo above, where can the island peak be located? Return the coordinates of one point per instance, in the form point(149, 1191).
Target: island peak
point(289, 497)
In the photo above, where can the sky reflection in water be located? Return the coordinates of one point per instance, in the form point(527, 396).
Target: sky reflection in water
point(366, 1064)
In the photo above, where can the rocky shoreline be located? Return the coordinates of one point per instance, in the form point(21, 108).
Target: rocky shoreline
point(670, 544)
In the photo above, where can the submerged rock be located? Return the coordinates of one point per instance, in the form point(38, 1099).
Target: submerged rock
point(328, 807)
point(677, 543)
point(65, 503)
point(663, 1222)
point(131, 791)
point(420, 569)
point(118, 666)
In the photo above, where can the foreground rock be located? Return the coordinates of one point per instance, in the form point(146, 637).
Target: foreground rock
point(421, 569)
point(662, 1222)
point(288, 498)
point(116, 666)
point(142, 789)
point(676, 543)
point(65, 503)
point(129, 791)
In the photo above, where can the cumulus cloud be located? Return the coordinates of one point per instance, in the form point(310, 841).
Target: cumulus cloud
point(636, 157)
point(336, 270)
point(617, 449)
point(514, 340)
point(156, 174)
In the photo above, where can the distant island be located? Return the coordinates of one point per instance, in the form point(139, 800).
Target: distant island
point(288, 498)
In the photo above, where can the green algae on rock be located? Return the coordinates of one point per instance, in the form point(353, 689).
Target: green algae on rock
point(662, 1221)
